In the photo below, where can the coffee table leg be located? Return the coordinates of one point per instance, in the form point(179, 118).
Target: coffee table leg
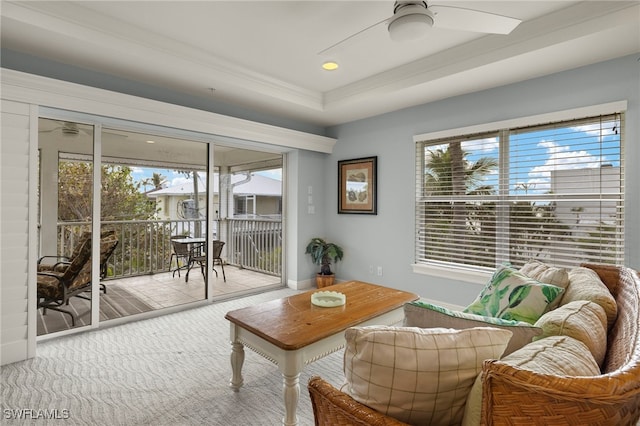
point(291, 396)
point(237, 359)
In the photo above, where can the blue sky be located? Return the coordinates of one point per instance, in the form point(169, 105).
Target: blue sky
point(535, 154)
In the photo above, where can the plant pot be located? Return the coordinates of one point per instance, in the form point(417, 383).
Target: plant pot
point(324, 280)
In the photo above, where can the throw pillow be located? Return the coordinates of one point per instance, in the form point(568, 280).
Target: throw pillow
point(555, 355)
point(583, 320)
point(585, 284)
point(514, 296)
point(418, 376)
point(426, 315)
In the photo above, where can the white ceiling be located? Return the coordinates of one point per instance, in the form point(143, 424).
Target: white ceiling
point(263, 55)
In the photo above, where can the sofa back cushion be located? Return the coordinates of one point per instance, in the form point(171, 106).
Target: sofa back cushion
point(583, 320)
point(585, 284)
point(427, 315)
point(546, 273)
point(418, 376)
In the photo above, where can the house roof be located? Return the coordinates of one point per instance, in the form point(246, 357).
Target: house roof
point(258, 185)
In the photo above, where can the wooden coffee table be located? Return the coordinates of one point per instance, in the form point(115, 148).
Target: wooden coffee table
point(292, 333)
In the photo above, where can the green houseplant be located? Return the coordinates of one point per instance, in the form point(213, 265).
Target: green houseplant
point(323, 253)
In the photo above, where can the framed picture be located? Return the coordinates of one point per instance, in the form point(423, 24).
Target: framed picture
point(357, 186)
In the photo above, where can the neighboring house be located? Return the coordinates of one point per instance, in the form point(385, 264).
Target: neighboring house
point(253, 196)
point(585, 214)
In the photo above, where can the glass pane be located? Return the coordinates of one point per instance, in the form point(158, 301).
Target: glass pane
point(154, 195)
point(65, 200)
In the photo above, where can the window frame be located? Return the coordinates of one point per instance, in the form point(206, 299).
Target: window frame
point(479, 275)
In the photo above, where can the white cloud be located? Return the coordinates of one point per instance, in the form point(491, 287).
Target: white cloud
point(477, 146)
point(560, 158)
point(605, 128)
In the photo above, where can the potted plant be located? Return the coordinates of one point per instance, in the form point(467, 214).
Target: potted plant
point(323, 253)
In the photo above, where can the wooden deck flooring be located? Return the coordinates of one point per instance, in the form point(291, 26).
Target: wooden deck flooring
point(134, 295)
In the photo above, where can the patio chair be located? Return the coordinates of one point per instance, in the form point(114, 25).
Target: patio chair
point(107, 238)
point(55, 288)
point(61, 262)
point(198, 255)
point(217, 260)
point(108, 243)
point(180, 251)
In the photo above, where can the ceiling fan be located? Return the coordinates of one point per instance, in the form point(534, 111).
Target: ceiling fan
point(412, 20)
point(71, 129)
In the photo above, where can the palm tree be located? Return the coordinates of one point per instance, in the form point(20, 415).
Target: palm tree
point(158, 181)
point(448, 173)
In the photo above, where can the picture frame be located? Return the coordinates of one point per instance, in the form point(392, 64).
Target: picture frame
point(358, 186)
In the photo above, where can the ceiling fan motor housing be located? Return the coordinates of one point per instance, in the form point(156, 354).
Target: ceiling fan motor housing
point(69, 128)
point(411, 20)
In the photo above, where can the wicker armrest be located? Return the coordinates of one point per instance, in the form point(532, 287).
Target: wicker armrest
point(540, 399)
point(332, 407)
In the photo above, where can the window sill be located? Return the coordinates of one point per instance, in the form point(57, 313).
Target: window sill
point(452, 272)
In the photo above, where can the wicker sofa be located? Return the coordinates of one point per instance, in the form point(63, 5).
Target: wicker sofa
point(514, 396)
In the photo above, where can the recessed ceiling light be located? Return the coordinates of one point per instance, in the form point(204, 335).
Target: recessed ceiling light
point(330, 65)
point(150, 141)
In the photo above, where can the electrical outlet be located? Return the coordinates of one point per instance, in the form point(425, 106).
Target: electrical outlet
point(379, 271)
point(370, 269)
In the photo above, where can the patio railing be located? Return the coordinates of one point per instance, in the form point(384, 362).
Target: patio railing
point(145, 246)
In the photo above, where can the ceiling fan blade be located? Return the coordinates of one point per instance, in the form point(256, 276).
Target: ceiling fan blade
point(457, 18)
point(344, 40)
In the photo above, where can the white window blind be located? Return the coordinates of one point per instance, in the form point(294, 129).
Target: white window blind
point(553, 192)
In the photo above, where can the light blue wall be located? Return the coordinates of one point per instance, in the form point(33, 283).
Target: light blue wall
point(387, 239)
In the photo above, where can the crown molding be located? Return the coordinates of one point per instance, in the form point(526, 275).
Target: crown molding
point(42, 91)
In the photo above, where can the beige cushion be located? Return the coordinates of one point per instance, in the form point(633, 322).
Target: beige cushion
point(555, 355)
point(419, 376)
point(544, 273)
point(585, 284)
point(425, 315)
point(583, 320)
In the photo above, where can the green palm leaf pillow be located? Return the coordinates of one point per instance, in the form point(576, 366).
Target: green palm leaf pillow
point(511, 295)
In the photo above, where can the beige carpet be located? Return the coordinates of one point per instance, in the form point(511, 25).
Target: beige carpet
point(170, 370)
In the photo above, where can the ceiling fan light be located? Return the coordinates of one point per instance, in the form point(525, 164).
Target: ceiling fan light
point(410, 26)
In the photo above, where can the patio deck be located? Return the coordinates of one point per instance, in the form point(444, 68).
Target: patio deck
point(164, 290)
point(134, 295)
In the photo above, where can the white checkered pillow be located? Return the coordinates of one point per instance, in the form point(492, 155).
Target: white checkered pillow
point(416, 375)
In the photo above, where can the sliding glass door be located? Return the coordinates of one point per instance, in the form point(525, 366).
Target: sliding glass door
point(183, 218)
